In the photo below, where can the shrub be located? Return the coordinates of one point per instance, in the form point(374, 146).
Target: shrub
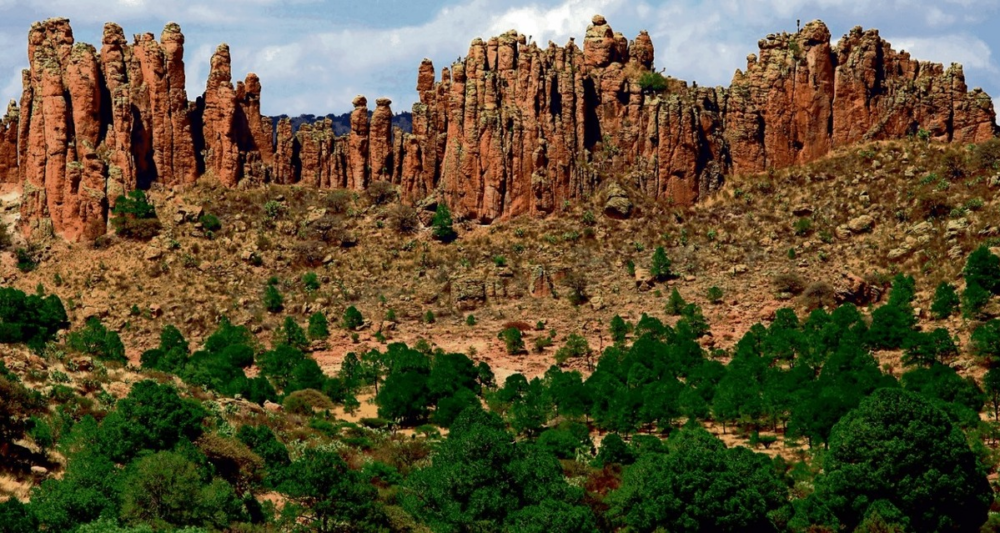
point(210, 222)
point(98, 341)
point(803, 227)
point(714, 294)
point(273, 300)
point(352, 318)
point(26, 261)
point(134, 217)
point(5, 237)
point(817, 295)
point(576, 346)
point(303, 402)
point(273, 209)
point(986, 155)
point(652, 82)
point(512, 340)
point(403, 218)
point(577, 284)
point(381, 192)
point(789, 283)
point(541, 343)
point(429, 317)
point(31, 319)
point(470, 320)
point(310, 281)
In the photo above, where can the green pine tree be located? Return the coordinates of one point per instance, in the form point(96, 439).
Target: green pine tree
point(442, 224)
point(661, 264)
point(675, 304)
point(945, 300)
point(318, 328)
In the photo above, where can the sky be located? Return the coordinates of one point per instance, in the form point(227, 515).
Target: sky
point(314, 56)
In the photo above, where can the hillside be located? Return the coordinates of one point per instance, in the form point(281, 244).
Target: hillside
point(818, 236)
point(572, 300)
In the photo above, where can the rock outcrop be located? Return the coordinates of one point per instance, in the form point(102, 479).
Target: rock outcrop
point(514, 128)
point(8, 145)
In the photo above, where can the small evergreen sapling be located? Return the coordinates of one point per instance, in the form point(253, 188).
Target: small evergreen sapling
point(441, 223)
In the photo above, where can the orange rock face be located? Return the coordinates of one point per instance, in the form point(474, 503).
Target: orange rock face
point(8, 145)
point(64, 185)
point(512, 129)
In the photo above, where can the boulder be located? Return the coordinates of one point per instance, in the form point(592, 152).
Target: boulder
point(861, 224)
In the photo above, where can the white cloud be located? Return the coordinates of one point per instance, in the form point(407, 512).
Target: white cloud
point(969, 51)
point(936, 17)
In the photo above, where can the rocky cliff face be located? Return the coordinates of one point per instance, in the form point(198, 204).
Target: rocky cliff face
point(512, 129)
point(8, 145)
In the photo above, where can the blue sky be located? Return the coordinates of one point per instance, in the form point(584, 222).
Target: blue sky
point(313, 56)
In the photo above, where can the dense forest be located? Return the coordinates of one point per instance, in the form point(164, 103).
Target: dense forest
point(623, 445)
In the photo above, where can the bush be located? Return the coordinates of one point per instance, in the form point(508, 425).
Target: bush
point(512, 340)
point(576, 282)
point(98, 341)
point(403, 218)
point(652, 82)
point(273, 300)
point(470, 320)
point(210, 222)
point(817, 295)
point(26, 261)
point(352, 318)
point(310, 281)
point(381, 192)
point(714, 294)
point(541, 343)
point(429, 317)
point(986, 155)
point(134, 217)
point(803, 227)
point(5, 237)
point(576, 346)
point(789, 283)
point(303, 402)
point(273, 209)
point(33, 320)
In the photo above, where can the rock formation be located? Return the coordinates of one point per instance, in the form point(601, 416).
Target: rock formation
point(512, 129)
point(8, 145)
